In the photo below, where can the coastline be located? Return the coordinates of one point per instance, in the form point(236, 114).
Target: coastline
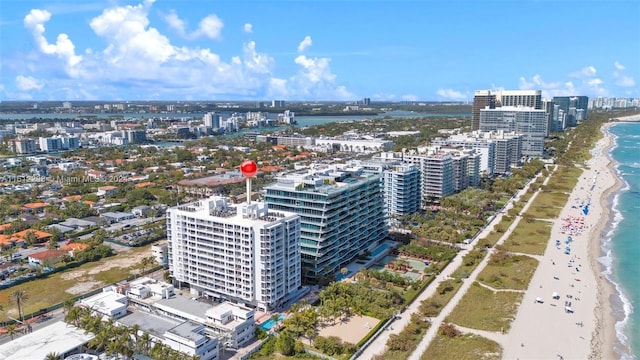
point(566, 313)
point(604, 337)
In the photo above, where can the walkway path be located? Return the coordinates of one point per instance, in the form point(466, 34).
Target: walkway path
point(379, 346)
point(438, 320)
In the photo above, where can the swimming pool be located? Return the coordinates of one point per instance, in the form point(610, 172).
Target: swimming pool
point(267, 325)
point(380, 249)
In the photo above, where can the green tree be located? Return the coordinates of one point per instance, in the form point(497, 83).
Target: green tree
point(19, 297)
point(30, 238)
point(146, 263)
point(286, 343)
point(73, 316)
point(12, 330)
point(53, 356)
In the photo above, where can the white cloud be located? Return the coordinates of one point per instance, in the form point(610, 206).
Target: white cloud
point(63, 48)
point(315, 69)
point(621, 79)
point(27, 83)
point(625, 81)
point(304, 43)
point(248, 28)
point(587, 71)
point(409, 97)
point(595, 82)
point(383, 96)
point(255, 62)
point(210, 26)
point(451, 94)
point(138, 61)
point(314, 80)
point(176, 23)
point(549, 89)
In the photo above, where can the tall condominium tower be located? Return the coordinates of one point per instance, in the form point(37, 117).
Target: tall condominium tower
point(341, 212)
point(400, 184)
point(530, 122)
point(481, 100)
point(529, 98)
point(246, 254)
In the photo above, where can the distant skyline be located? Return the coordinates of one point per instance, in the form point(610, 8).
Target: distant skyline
point(315, 50)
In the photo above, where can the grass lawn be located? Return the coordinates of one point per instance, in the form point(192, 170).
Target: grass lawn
point(483, 309)
point(51, 290)
point(470, 262)
point(463, 347)
point(564, 179)
point(446, 290)
point(528, 237)
point(506, 271)
point(547, 205)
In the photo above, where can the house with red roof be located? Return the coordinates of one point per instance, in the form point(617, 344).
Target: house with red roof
point(72, 248)
point(46, 256)
point(34, 208)
point(41, 236)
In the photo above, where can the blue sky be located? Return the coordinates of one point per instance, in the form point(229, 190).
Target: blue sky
point(315, 50)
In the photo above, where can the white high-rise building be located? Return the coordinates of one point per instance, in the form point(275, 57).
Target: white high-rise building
point(244, 254)
point(530, 122)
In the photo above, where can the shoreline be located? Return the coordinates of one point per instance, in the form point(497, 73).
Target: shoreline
point(604, 338)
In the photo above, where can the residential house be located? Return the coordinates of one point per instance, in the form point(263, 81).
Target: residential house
point(34, 208)
point(77, 224)
point(107, 191)
point(46, 257)
point(141, 211)
point(72, 248)
point(114, 217)
point(40, 236)
point(97, 174)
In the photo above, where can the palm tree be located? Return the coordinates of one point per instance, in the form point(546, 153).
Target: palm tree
point(73, 316)
point(20, 296)
point(68, 305)
point(145, 263)
point(53, 356)
point(12, 330)
point(143, 345)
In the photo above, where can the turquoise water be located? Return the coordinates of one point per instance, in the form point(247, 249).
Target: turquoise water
point(381, 248)
point(267, 325)
point(622, 245)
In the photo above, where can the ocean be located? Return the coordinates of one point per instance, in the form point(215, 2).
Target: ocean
point(621, 245)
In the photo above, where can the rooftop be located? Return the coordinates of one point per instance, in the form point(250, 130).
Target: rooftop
point(153, 324)
point(57, 337)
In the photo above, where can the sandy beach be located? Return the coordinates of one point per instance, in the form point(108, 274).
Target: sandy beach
point(566, 313)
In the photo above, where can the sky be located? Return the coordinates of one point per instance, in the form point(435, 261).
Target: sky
point(316, 50)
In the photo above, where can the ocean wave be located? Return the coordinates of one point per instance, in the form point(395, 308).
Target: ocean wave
point(607, 262)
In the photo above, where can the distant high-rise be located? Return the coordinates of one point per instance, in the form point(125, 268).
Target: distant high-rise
point(549, 106)
point(529, 98)
point(493, 99)
point(530, 122)
point(277, 103)
point(481, 100)
point(576, 102)
point(212, 120)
